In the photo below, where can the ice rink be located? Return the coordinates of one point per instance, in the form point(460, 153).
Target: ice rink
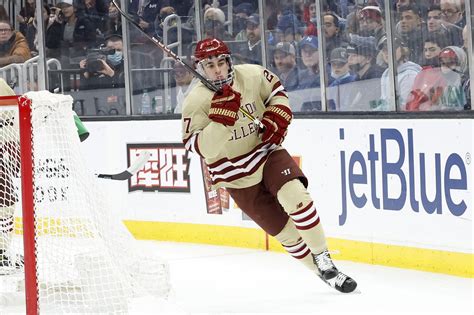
point(224, 280)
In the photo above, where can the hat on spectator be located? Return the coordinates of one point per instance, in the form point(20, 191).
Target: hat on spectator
point(371, 12)
point(288, 21)
point(309, 40)
point(286, 48)
point(362, 48)
point(63, 3)
point(214, 14)
point(254, 19)
point(244, 7)
point(339, 55)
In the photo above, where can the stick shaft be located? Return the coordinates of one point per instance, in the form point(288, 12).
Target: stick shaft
point(170, 53)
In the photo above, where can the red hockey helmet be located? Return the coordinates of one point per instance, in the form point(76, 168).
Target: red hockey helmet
point(214, 48)
point(210, 47)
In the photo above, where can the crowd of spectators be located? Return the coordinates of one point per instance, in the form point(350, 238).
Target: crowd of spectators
point(428, 40)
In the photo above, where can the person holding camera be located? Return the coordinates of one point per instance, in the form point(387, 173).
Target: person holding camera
point(70, 35)
point(104, 66)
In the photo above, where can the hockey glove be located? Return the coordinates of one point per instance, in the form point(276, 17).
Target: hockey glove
point(225, 105)
point(276, 120)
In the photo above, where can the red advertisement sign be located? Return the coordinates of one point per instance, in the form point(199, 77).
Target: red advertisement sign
point(167, 169)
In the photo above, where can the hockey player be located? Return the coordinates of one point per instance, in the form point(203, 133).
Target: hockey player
point(258, 172)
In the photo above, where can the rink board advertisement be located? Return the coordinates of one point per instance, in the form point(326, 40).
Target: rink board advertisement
point(406, 184)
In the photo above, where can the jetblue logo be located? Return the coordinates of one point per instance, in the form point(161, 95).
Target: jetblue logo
point(395, 160)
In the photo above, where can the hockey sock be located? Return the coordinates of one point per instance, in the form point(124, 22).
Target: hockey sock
point(297, 202)
point(294, 245)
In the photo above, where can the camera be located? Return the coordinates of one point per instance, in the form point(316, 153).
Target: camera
point(94, 59)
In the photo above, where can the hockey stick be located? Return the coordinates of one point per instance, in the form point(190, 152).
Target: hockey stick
point(171, 54)
point(132, 170)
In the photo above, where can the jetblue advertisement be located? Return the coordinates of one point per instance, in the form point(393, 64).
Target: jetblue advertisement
point(391, 181)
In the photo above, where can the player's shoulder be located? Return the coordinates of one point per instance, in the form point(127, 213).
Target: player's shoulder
point(249, 69)
point(197, 97)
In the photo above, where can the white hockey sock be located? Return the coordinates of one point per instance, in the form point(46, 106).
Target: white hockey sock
point(294, 245)
point(297, 202)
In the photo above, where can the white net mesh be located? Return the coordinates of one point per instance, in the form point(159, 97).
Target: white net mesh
point(87, 261)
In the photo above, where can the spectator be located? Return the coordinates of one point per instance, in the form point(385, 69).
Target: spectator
point(242, 13)
point(362, 62)
point(441, 88)
point(309, 75)
point(94, 10)
point(432, 47)
point(184, 84)
point(434, 20)
point(311, 24)
point(160, 18)
point(361, 59)
point(453, 19)
point(340, 75)
point(289, 28)
point(26, 15)
point(112, 22)
point(284, 57)
point(370, 21)
point(104, 68)
point(411, 31)
point(70, 35)
point(252, 52)
point(146, 12)
point(332, 33)
point(214, 19)
point(13, 45)
point(406, 74)
point(32, 30)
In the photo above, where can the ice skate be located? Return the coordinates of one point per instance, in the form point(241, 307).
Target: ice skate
point(342, 283)
point(325, 266)
point(331, 275)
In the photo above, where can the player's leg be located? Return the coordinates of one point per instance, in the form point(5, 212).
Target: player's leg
point(263, 209)
point(297, 202)
point(285, 180)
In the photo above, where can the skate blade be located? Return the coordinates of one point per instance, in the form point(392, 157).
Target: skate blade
point(333, 285)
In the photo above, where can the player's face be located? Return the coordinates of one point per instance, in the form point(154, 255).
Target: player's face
point(216, 68)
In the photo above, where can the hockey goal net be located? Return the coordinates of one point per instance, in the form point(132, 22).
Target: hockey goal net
point(59, 241)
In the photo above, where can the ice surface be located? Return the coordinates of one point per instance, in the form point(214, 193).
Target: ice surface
point(225, 280)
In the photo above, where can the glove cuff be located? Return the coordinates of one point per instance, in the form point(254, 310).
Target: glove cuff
point(281, 112)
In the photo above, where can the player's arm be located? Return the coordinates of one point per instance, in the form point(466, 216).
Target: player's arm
point(207, 133)
point(277, 116)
